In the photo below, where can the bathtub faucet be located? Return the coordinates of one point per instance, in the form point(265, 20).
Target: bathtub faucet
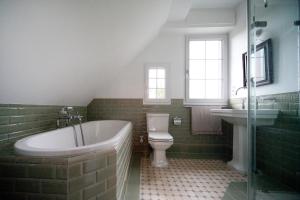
point(67, 114)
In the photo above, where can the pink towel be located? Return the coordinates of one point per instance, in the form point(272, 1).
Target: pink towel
point(203, 122)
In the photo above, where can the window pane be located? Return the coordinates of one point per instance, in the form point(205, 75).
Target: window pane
point(161, 83)
point(152, 83)
point(213, 69)
point(152, 73)
point(197, 89)
point(213, 89)
point(152, 93)
point(160, 93)
point(197, 69)
point(213, 50)
point(197, 49)
point(161, 73)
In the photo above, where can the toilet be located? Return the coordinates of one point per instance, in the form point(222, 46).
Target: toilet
point(159, 138)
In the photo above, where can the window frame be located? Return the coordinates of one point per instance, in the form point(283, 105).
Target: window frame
point(224, 89)
point(146, 99)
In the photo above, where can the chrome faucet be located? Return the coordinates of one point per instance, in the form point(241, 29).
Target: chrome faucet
point(66, 113)
point(236, 92)
point(243, 99)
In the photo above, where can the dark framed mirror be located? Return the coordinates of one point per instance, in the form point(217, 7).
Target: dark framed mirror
point(264, 64)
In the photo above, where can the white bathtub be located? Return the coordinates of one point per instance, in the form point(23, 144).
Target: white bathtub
point(98, 135)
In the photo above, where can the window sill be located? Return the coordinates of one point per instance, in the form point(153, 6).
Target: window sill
point(205, 103)
point(157, 102)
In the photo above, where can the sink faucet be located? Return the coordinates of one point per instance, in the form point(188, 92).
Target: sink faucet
point(236, 92)
point(243, 99)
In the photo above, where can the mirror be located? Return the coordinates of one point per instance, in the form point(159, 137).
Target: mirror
point(264, 64)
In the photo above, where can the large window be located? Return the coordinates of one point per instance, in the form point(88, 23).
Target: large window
point(156, 84)
point(206, 70)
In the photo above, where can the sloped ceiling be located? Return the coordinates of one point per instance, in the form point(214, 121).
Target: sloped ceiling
point(60, 52)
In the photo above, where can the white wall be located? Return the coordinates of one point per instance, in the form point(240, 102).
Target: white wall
point(280, 16)
point(168, 47)
point(64, 51)
point(237, 46)
point(129, 83)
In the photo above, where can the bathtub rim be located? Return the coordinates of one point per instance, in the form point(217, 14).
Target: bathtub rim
point(108, 145)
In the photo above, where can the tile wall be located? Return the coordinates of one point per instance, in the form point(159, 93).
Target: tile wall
point(17, 121)
point(278, 146)
point(185, 144)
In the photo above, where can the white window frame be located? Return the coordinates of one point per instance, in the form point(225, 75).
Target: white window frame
point(224, 89)
point(167, 99)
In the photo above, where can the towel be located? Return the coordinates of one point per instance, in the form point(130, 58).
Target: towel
point(203, 122)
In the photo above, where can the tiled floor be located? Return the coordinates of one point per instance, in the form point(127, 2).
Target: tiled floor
point(197, 179)
point(186, 179)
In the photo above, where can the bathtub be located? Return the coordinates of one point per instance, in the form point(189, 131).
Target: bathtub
point(98, 136)
point(104, 158)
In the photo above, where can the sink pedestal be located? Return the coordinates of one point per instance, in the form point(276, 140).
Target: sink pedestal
point(239, 150)
point(238, 117)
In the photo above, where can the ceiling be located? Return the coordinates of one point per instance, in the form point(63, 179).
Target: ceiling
point(198, 4)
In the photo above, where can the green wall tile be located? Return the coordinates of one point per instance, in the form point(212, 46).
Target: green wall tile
point(93, 190)
point(93, 165)
point(81, 182)
point(54, 187)
point(41, 171)
point(75, 170)
point(29, 185)
point(17, 121)
point(133, 110)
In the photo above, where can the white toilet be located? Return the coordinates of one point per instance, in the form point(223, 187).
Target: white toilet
point(158, 137)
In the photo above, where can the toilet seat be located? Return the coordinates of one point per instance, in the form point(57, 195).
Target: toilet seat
point(160, 137)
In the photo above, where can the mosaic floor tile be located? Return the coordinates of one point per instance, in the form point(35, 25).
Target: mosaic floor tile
point(186, 179)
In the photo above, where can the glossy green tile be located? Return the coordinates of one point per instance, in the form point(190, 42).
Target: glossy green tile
point(61, 172)
point(75, 170)
point(29, 185)
point(17, 121)
point(93, 165)
point(93, 190)
point(41, 171)
point(54, 187)
point(81, 182)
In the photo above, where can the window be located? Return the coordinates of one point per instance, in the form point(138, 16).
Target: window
point(206, 70)
point(156, 84)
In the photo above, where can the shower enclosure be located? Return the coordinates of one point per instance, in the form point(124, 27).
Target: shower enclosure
point(273, 59)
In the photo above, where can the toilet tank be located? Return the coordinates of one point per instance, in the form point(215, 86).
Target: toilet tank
point(158, 122)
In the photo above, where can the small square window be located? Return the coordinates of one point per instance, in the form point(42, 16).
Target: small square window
point(156, 86)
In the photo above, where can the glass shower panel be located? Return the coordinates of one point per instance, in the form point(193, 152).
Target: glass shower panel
point(274, 141)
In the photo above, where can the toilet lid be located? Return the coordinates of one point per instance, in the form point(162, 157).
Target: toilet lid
point(161, 136)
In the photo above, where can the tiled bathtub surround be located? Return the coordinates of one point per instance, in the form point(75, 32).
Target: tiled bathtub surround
point(17, 121)
point(278, 146)
point(124, 153)
point(95, 175)
point(204, 146)
point(80, 177)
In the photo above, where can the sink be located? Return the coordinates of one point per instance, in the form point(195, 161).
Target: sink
point(238, 117)
point(264, 117)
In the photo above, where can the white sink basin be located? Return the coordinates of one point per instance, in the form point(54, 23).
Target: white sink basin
point(264, 117)
point(238, 117)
